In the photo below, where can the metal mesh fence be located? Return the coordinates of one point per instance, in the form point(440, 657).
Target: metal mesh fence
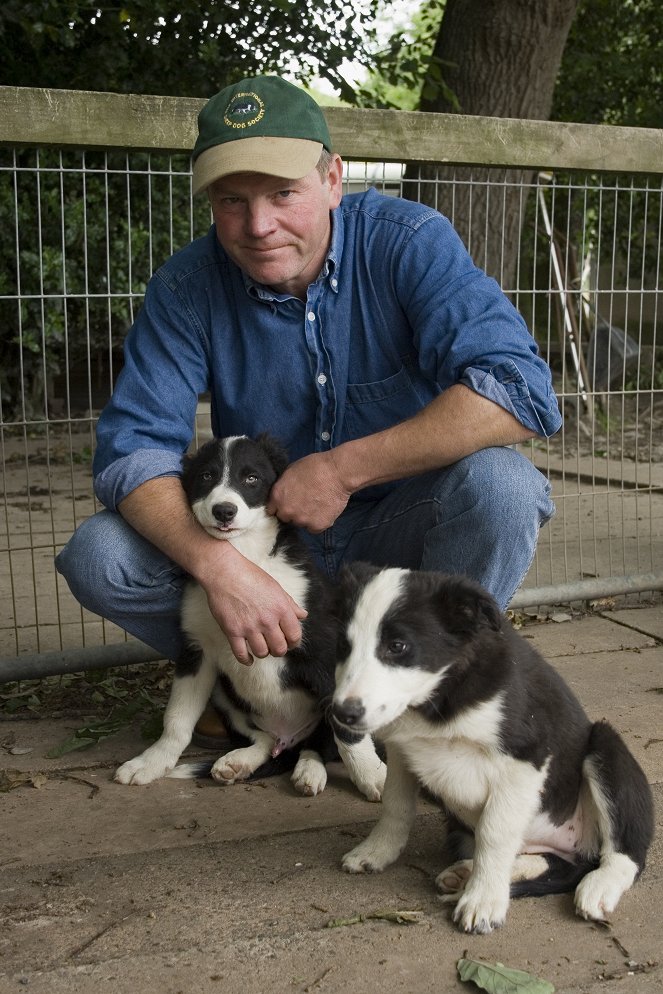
point(580, 256)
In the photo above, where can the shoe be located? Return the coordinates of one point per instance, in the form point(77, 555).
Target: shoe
point(210, 732)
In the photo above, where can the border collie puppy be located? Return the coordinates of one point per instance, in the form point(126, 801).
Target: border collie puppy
point(539, 799)
point(276, 704)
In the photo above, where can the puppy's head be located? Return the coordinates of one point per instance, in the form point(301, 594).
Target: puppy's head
point(402, 633)
point(227, 482)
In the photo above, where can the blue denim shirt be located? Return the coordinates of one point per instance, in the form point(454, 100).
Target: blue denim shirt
point(398, 314)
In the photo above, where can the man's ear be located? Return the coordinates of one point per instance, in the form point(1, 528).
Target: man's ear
point(335, 180)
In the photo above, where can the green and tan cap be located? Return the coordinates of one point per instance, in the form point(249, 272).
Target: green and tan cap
point(259, 125)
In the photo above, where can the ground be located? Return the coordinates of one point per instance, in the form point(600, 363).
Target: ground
point(194, 887)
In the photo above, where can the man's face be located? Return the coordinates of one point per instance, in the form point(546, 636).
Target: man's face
point(277, 230)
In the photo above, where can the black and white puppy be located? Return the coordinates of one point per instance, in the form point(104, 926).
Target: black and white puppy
point(540, 800)
point(276, 704)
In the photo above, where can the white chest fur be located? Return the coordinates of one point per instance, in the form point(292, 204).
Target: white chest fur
point(280, 712)
point(461, 761)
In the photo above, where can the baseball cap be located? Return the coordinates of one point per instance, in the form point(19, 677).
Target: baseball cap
point(262, 124)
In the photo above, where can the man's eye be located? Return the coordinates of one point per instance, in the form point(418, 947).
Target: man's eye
point(284, 194)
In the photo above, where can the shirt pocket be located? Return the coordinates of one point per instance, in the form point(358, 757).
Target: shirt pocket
point(371, 407)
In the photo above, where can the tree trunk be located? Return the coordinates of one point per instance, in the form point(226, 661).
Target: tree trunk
point(500, 58)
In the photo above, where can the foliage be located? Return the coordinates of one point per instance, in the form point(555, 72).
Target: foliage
point(105, 701)
point(612, 68)
point(179, 47)
point(405, 71)
point(83, 237)
point(618, 80)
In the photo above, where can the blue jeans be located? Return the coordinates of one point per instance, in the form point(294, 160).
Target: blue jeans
point(480, 517)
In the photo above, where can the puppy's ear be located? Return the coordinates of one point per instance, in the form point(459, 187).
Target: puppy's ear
point(357, 574)
point(274, 451)
point(467, 607)
point(352, 578)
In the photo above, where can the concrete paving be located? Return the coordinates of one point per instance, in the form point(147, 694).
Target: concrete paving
point(185, 887)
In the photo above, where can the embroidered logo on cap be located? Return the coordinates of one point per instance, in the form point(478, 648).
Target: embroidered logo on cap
point(244, 110)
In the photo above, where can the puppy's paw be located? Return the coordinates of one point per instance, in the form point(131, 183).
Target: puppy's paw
point(371, 782)
point(234, 766)
point(451, 882)
point(146, 768)
point(480, 910)
point(369, 857)
point(598, 894)
point(309, 776)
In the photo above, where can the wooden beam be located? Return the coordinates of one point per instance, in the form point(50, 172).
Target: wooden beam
point(89, 119)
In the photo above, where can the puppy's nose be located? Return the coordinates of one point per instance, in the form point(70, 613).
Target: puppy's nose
point(349, 711)
point(225, 512)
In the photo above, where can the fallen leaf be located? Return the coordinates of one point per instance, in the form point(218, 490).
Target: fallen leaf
point(340, 922)
point(499, 979)
point(11, 779)
point(398, 917)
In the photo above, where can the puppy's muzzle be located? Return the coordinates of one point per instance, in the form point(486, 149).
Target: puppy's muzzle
point(224, 512)
point(349, 712)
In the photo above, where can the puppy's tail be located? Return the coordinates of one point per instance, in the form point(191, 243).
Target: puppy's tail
point(192, 771)
point(559, 877)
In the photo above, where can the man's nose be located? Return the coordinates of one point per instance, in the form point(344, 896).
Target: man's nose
point(259, 219)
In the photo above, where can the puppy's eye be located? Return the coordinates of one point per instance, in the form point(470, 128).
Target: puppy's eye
point(397, 648)
point(251, 479)
point(206, 476)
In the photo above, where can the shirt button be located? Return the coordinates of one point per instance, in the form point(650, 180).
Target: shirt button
point(311, 316)
point(334, 283)
point(325, 436)
point(322, 378)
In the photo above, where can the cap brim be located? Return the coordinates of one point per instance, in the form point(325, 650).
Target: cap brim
point(291, 158)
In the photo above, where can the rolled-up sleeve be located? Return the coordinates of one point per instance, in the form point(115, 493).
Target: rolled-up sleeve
point(469, 332)
point(123, 475)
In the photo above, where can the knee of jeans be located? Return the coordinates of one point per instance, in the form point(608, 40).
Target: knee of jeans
point(505, 486)
point(91, 560)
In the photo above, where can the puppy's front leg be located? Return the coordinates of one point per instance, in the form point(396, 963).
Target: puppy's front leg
point(512, 801)
point(389, 837)
point(188, 697)
point(366, 769)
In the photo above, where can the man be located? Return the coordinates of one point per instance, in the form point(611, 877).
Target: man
point(356, 330)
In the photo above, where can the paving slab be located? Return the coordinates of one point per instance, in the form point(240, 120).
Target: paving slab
point(645, 619)
point(589, 633)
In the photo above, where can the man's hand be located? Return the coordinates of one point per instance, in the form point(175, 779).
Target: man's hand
point(310, 493)
point(256, 614)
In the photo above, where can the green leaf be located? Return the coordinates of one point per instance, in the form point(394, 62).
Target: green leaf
point(71, 745)
point(499, 979)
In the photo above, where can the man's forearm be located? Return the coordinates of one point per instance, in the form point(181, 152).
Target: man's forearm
point(159, 511)
point(456, 424)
